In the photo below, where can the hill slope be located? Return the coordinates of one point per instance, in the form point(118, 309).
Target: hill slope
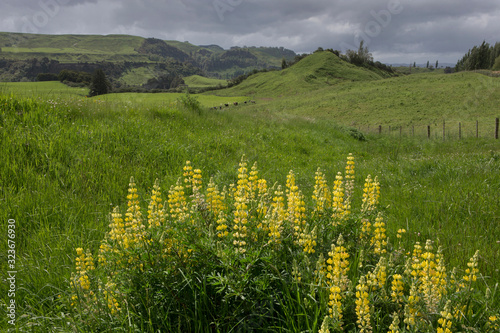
point(316, 71)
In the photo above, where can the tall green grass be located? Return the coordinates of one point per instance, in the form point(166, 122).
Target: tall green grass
point(66, 162)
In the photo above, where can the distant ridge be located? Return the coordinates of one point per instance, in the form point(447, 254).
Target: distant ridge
point(130, 60)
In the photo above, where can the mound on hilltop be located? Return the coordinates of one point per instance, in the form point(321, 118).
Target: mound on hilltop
point(317, 70)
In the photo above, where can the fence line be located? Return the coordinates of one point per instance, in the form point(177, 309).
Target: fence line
point(447, 131)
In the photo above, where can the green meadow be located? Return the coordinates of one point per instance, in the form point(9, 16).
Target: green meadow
point(67, 160)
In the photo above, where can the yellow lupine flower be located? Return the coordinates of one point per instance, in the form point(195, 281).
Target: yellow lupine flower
point(321, 194)
point(363, 310)
point(397, 288)
point(349, 177)
point(379, 239)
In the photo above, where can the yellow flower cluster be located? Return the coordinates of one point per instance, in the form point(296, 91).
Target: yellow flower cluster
point(394, 327)
point(363, 309)
point(321, 194)
point(371, 194)
point(349, 177)
point(241, 200)
point(445, 322)
point(341, 207)
point(134, 228)
point(472, 269)
point(338, 281)
point(156, 213)
point(215, 199)
point(276, 217)
point(192, 178)
point(177, 203)
point(307, 239)
point(296, 210)
point(397, 288)
point(379, 239)
point(80, 281)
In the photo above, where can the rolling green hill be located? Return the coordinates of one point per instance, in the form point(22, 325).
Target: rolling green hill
point(319, 70)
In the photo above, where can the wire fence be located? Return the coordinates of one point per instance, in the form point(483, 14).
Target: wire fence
point(445, 130)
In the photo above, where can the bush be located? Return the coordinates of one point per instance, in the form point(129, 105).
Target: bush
point(190, 103)
point(254, 258)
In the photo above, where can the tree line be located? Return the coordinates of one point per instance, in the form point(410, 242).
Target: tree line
point(485, 56)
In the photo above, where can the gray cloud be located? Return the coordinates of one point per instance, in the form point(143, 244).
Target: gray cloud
point(394, 30)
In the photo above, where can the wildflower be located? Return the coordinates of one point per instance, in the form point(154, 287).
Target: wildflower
point(241, 199)
point(349, 177)
point(320, 271)
point(445, 322)
point(394, 327)
point(277, 216)
point(321, 194)
point(297, 276)
point(307, 239)
point(472, 269)
point(253, 181)
point(337, 278)
point(363, 311)
point(366, 231)
point(400, 233)
point(156, 213)
point(215, 199)
point(134, 229)
point(371, 194)
point(339, 205)
point(493, 324)
point(324, 325)
point(295, 212)
point(379, 239)
point(411, 307)
point(222, 225)
point(397, 289)
point(177, 203)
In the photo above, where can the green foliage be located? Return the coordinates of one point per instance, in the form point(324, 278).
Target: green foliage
point(479, 57)
point(190, 103)
point(496, 65)
point(99, 84)
point(361, 56)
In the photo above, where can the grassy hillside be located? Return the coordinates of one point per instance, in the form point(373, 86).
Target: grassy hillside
point(197, 81)
point(323, 87)
point(316, 71)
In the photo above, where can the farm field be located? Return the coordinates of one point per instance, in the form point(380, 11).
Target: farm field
point(67, 161)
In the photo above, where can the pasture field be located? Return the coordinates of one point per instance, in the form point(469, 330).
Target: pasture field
point(196, 81)
point(67, 160)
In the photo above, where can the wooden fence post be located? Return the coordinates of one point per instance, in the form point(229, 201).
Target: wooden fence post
point(477, 129)
point(496, 128)
point(379, 129)
point(428, 131)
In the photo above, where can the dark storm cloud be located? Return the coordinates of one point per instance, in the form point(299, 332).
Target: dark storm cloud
point(392, 29)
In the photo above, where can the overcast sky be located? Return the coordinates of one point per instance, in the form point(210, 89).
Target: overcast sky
point(395, 31)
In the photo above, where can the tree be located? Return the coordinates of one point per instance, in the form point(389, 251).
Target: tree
point(414, 64)
point(496, 65)
point(427, 64)
point(360, 57)
point(437, 62)
point(283, 63)
point(99, 84)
